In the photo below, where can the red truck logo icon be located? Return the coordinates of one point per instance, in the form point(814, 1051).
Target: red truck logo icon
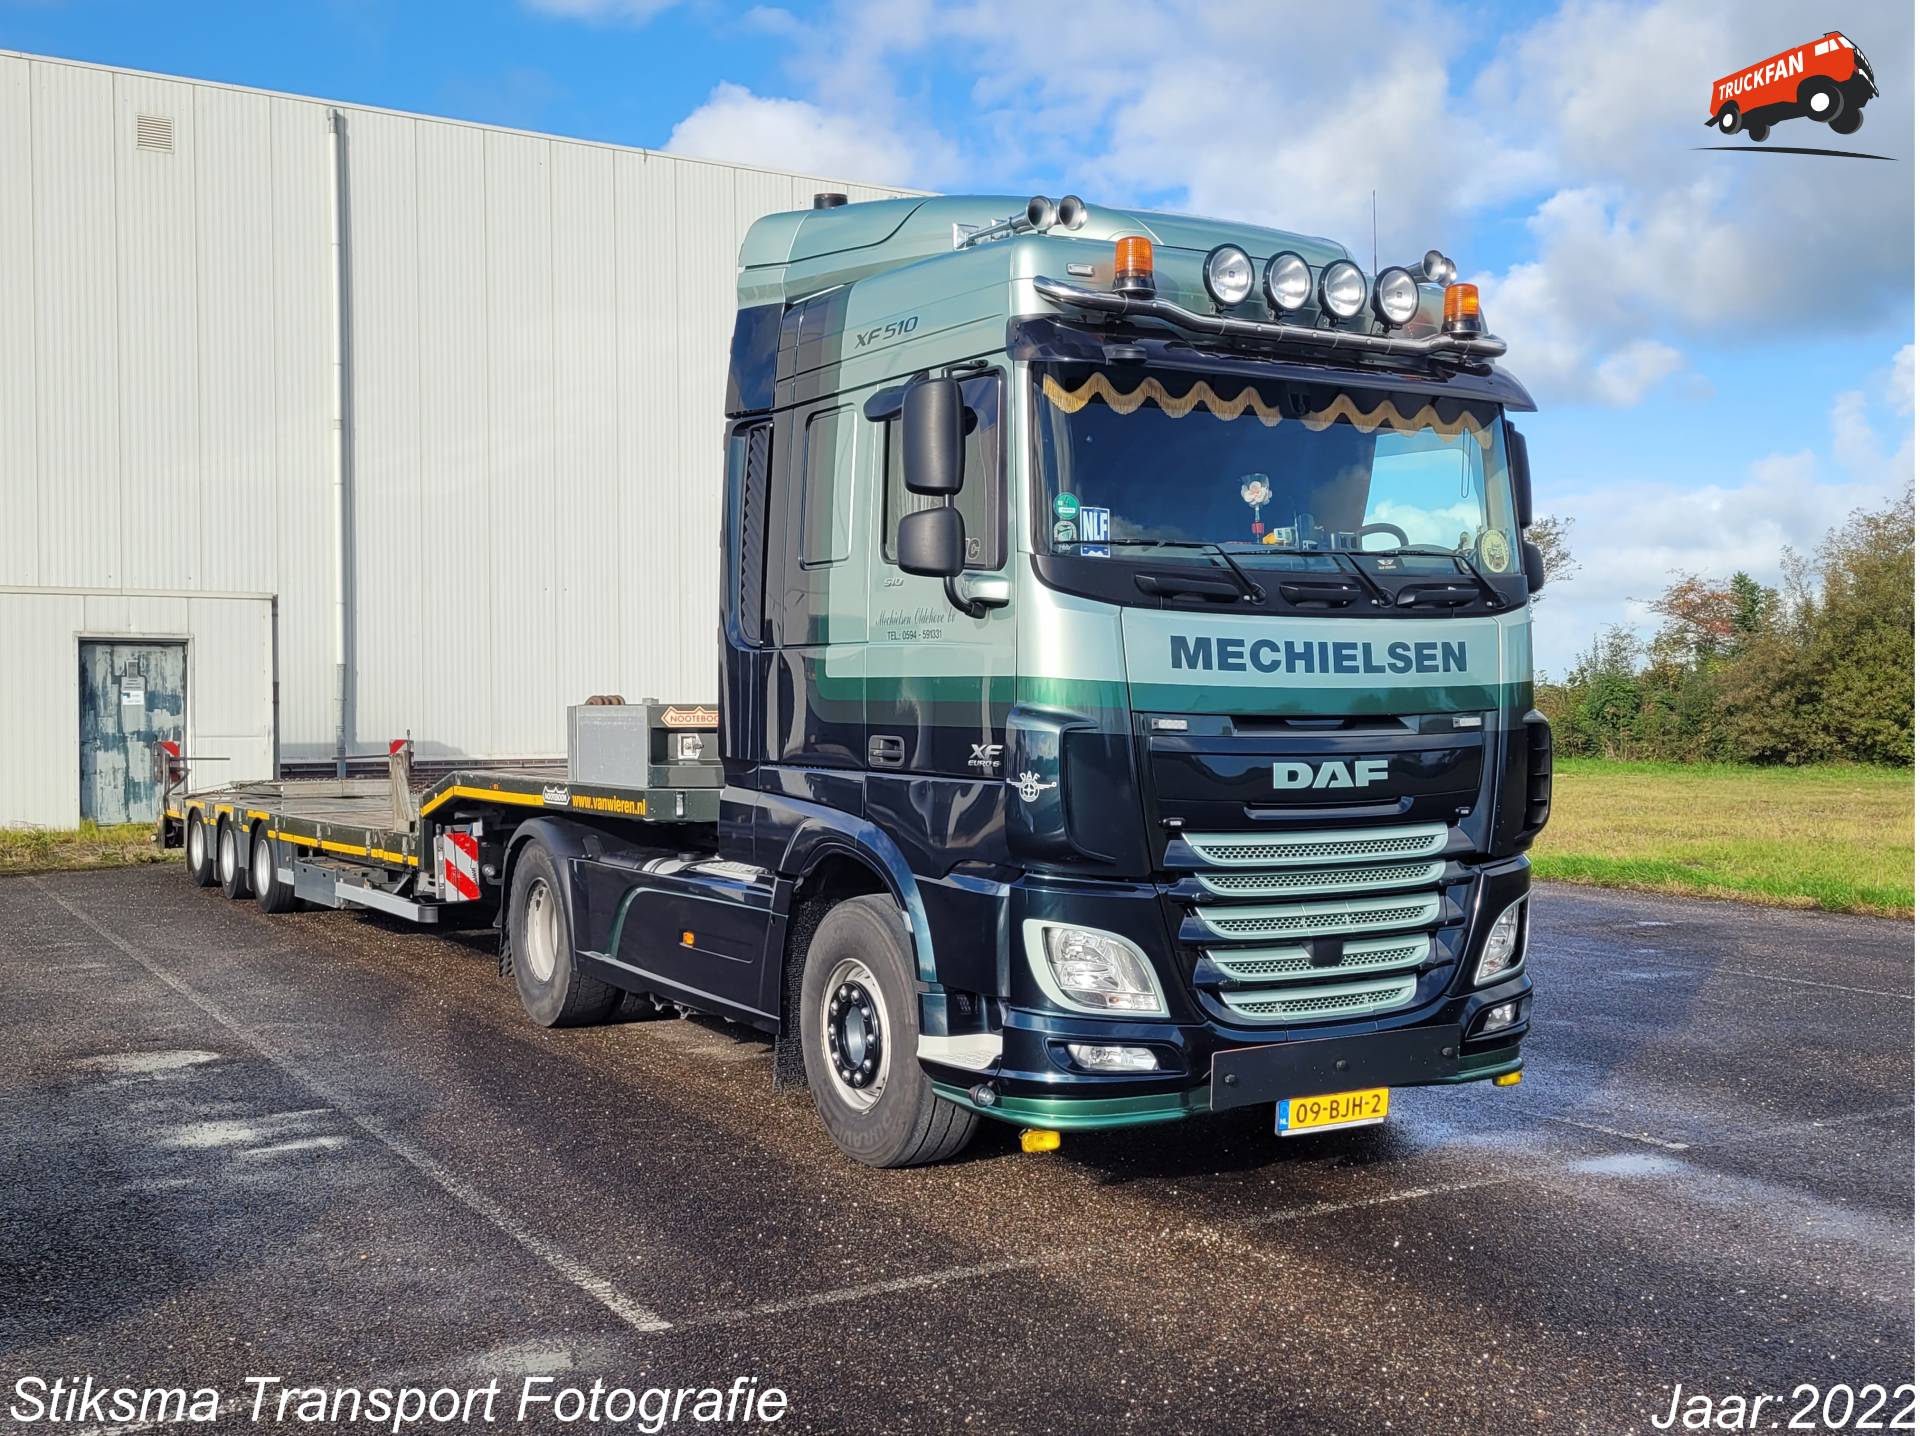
point(1827, 80)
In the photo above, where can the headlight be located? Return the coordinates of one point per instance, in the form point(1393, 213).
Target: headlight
point(1093, 971)
point(1395, 296)
point(1506, 946)
point(1343, 289)
point(1228, 275)
point(1289, 282)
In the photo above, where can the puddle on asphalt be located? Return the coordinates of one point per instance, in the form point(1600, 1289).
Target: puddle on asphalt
point(1625, 1164)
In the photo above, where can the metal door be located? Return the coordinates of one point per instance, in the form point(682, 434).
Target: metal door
point(132, 695)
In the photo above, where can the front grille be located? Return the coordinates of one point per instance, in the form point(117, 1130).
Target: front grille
point(1302, 849)
point(1322, 880)
point(1353, 999)
point(1374, 954)
point(1322, 919)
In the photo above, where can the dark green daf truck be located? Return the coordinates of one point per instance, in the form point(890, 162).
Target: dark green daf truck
point(1124, 696)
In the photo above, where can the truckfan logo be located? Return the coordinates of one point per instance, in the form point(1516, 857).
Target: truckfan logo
point(1827, 80)
point(1361, 773)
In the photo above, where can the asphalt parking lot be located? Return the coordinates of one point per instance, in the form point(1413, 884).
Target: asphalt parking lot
point(330, 1147)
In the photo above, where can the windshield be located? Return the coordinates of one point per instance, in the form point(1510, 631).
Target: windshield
point(1149, 461)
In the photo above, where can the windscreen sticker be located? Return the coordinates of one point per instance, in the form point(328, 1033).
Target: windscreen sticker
point(1096, 525)
point(1065, 532)
point(1495, 552)
point(1066, 506)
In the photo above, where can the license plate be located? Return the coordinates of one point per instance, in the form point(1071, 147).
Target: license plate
point(1321, 1114)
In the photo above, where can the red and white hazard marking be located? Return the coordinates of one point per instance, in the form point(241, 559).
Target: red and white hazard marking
point(459, 865)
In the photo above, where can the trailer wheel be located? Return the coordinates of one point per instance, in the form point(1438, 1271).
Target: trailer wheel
point(553, 989)
point(199, 852)
point(860, 1030)
point(1728, 119)
point(1846, 122)
point(233, 874)
point(270, 890)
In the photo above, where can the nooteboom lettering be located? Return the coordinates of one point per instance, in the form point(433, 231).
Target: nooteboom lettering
point(82, 1401)
point(1202, 653)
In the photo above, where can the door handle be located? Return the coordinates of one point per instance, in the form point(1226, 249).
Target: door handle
point(886, 750)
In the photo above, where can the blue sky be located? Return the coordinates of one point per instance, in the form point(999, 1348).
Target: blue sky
point(1721, 343)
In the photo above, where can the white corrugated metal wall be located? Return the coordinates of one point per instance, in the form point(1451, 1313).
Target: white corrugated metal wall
point(539, 332)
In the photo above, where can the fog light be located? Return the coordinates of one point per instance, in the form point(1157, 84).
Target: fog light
point(1343, 289)
point(1289, 282)
point(1505, 1015)
point(1104, 1057)
point(1227, 273)
point(1396, 298)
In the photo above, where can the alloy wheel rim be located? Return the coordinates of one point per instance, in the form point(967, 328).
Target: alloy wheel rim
point(543, 931)
point(855, 1033)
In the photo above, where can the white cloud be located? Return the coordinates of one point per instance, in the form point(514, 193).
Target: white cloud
point(1632, 537)
point(736, 124)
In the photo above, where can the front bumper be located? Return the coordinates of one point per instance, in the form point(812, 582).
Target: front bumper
point(1208, 1064)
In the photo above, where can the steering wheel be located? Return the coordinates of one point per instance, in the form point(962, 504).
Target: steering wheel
point(1398, 534)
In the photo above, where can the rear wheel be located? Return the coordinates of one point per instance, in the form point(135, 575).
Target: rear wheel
point(860, 1035)
point(233, 875)
point(1846, 122)
point(199, 852)
point(553, 989)
point(1758, 132)
point(270, 890)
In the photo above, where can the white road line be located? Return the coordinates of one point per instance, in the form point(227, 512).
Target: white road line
point(875, 1288)
point(639, 1317)
point(1772, 977)
point(1411, 1194)
point(1640, 1137)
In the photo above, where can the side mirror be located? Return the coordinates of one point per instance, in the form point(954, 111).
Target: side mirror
point(1535, 565)
point(933, 543)
point(1522, 471)
point(932, 436)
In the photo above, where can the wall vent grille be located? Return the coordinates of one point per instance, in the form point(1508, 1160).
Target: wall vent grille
point(153, 133)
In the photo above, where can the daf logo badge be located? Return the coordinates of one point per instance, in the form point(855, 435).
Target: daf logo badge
point(1361, 773)
point(1029, 786)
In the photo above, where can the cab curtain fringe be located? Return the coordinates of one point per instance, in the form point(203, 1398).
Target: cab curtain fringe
point(1427, 420)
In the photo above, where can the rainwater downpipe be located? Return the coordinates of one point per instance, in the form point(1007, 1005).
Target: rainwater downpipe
point(342, 442)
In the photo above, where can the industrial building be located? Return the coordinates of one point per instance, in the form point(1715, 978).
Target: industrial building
point(322, 424)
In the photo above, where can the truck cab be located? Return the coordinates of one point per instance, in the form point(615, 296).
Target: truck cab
point(1125, 635)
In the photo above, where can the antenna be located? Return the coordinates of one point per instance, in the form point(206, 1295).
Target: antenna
point(1376, 229)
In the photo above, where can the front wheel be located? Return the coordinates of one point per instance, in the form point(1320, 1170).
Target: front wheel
point(860, 1036)
point(1728, 119)
point(553, 989)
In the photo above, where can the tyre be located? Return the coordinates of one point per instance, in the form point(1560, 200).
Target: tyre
point(540, 938)
point(1758, 132)
point(1847, 121)
point(226, 850)
point(860, 1036)
point(1821, 99)
point(199, 852)
point(270, 890)
point(1728, 119)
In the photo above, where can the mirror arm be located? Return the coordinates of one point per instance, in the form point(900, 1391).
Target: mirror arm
point(971, 607)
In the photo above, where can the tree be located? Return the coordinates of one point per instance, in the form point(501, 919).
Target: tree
point(1549, 535)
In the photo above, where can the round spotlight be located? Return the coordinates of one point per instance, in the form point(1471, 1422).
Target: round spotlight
point(1073, 211)
point(1395, 297)
point(1289, 282)
point(1437, 268)
point(1041, 213)
point(1228, 275)
point(1343, 289)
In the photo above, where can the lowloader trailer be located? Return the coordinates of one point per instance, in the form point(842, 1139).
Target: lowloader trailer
point(1125, 697)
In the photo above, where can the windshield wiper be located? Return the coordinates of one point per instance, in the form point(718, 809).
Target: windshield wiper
point(1247, 586)
point(1460, 561)
point(1359, 571)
